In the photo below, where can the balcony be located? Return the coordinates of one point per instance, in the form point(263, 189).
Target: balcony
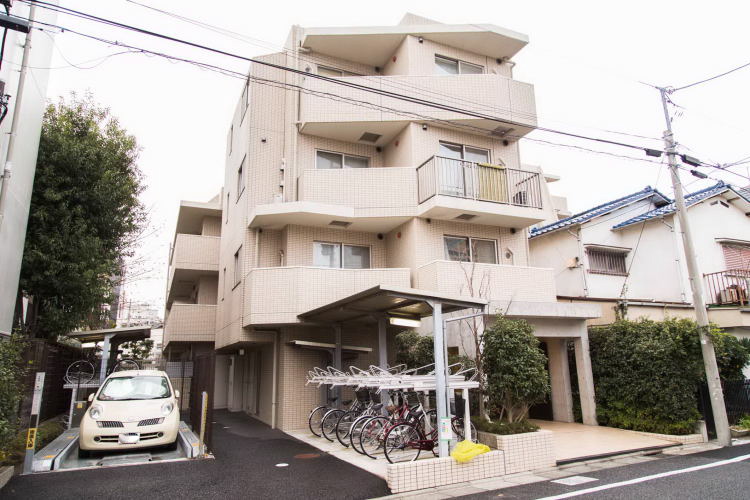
point(369, 199)
point(190, 323)
point(728, 288)
point(477, 192)
point(276, 295)
point(191, 256)
point(502, 283)
point(491, 95)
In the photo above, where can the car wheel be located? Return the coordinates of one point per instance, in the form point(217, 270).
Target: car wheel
point(171, 446)
point(84, 453)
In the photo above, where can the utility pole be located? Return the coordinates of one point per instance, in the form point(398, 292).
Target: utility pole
point(696, 284)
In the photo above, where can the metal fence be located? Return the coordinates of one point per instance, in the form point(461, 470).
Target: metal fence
point(478, 181)
point(728, 287)
point(202, 381)
point(736, 399)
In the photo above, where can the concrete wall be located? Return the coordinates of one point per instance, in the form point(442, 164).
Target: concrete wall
point(18, 194)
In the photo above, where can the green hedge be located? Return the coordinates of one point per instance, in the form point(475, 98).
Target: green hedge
point(647, 372)
point(504, 427)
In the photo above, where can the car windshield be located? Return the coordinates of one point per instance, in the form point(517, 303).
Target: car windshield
point(135, 388)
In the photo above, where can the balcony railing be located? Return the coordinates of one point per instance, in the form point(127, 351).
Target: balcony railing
point(727, 288)
point(478, 181)
point(190, 323)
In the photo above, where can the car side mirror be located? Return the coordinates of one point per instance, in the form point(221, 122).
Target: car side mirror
point(177, 394)
point(91, 396)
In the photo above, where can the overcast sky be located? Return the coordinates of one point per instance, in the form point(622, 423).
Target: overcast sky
point(585, 58)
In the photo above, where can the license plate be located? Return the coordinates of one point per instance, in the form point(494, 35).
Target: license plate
point(131, 438)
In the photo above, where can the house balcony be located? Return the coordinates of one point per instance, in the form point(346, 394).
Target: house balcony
point(509, 105)
point(728, 288)
point(190, 323)
point(479, 193)
point(191, 257)
point(276, 295)
point(493, 282)
point(380, 199)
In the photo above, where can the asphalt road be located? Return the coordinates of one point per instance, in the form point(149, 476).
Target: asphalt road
point(724, 481)
point(245, 467)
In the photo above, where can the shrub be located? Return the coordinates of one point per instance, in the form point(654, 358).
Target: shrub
point(46, 433)
point(647, 373)
point(11, 390)
point(504, 428)
point(744, 422)
point(515, 369)
point(414, 350)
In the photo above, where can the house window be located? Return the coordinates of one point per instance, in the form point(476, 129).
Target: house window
point(226, 220)
point(241, 178)
point(449, 66)
point(237, 266)
point(334, 72)
point(230, 139)
point(224, 284)
point(463, 249)
point(329, 160)
point(462, 152)
point(245, 98)
point(606, 261)
point(339, 255)
point(736, 256)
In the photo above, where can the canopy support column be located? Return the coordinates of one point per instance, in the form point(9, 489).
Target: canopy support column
point(383, 354)
point(467, 416)
point(337, 360)
point(441, 395)
point(106, 348)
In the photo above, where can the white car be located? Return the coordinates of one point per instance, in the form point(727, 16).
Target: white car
point(132, 409)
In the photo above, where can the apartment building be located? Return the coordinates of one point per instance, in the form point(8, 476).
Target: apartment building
point(338, 197)
point(627, 255)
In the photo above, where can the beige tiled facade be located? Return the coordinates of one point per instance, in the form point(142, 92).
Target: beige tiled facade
point(275, 204)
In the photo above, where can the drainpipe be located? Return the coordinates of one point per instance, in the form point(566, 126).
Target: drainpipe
point(677, 247)
point(16, 115)
point(275, 378)
point(577, 236)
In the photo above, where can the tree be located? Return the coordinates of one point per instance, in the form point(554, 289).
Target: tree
point(84, 214)
point(139, 349)
point(515, 369)
point(11, 388)
point(414, 350)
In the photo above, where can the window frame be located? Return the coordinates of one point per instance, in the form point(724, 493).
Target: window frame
point(230, 139)
point(605, 256)
point(459, 62)
point(241, 171)
point(470, 240)
point(344, 73)
point(226, 218)
point(341, 246)
point(237, 267)
point(245, 98)
point(343, 159)
point(463, 150)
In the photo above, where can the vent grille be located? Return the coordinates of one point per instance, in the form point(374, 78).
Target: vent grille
point(109, 423)
point(465, 217)
point(501, 131)
point(339, 223)
point(370, 137)
point(150, 421)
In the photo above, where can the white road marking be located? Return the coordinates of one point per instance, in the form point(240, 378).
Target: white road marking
point(574, 480)
point(282, 465)
point(647, 478)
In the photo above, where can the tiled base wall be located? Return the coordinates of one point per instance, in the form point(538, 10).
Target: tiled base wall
point(686, 439)
point(523, 452)
point(434, 472)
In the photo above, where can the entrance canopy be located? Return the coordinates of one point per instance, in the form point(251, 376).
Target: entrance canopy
point(116, 335)
point(396, 301)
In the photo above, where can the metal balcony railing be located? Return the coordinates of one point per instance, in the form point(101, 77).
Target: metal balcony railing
point(478, 181)
point(728, 287)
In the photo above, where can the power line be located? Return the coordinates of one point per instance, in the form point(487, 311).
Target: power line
point(709, 79)
point(335, 81)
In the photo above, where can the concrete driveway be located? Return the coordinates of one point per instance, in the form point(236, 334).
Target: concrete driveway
point(247, 453)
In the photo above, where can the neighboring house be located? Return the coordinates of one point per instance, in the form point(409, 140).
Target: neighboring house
point(331, 206)
point(628, 255)
point(15, 195)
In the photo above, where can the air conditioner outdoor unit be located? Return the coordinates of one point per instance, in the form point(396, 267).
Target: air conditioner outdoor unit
point(729, 296)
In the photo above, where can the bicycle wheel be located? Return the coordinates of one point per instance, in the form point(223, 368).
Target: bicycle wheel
point(402, 443)
point(328, 426)
point(371, 438)
point(344, 426)
point(316, 418)
point(457, 423)
point(430, 431)
point(356, 431)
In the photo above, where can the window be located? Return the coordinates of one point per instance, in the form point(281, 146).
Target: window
point(245, 98)
point(606, 261)
point(237, 266)
point(224, 287)
point(241, 178)
point(463, 249)
point(328, 160)
point(448, 66)
point(230, 139)
point(736, 256)
point(338, 255)
point(226, 220)
point(462, 152)
point(334, 72)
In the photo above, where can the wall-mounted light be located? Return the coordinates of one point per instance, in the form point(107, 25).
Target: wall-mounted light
point(420, 39)
point(399, 321)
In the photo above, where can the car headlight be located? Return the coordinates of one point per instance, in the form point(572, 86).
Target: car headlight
point(167, 408)
point(96, 412)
